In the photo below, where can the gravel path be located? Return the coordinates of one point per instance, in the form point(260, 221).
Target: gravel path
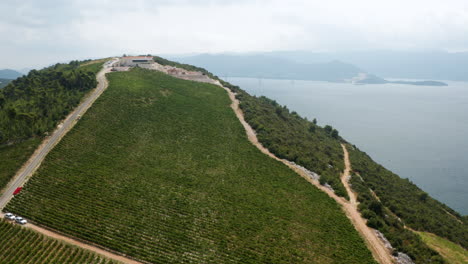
point(375, 245)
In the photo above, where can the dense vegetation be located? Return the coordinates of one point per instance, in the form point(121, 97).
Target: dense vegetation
point(382, 219)
point(34, 104)
point(452, 253)
point(396, 198)
point(291, 137)
point(21, 245)
point(161, 169)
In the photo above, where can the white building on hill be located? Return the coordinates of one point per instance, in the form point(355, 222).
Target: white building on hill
point(136, 61)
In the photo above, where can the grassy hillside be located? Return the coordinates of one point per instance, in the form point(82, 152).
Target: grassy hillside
point(20, 246)
point(161, 169)
point(452, 253)
point(33, 105)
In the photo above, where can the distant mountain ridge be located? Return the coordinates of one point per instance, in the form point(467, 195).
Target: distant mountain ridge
point(260, 66)
point(10, 74)
point(267, 66)
point(4, 82)
point(435, 65)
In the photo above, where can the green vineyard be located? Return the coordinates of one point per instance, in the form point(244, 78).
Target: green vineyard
point(160, 169)
point(20, 245)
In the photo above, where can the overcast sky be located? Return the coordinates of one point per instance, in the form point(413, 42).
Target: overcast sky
point(36, 33)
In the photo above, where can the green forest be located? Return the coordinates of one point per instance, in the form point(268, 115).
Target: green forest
point(32, 105)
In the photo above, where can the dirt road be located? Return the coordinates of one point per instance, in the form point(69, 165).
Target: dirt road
point(33, 163)
point(78, 243)
point(373, 242)
point(41, 152)
point(346, 176)
point(375, 245)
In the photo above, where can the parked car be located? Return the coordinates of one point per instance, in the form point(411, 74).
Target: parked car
point(10, 216)
point(21, 220)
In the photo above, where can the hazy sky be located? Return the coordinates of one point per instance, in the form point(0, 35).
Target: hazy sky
point(36, 33)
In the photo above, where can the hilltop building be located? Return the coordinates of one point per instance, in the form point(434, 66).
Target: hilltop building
point(136, 61)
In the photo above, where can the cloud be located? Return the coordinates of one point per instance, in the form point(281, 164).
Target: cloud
point(47, 30)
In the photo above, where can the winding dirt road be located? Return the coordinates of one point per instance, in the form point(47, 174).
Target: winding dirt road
point(380, 253)
point(375, 245)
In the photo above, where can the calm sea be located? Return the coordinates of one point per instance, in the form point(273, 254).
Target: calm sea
point(418, 132)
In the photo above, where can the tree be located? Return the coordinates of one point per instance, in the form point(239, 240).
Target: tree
point(334, 133)
point(328, 129)
point(2, 100)
point(279, 111)
point(312, 128)
point(376, 207)
point(423, 196)
point(314, 121)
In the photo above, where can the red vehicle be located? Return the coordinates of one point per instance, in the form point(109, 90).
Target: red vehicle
point(18, 190)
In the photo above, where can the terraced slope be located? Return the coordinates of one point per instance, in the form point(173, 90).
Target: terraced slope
point(20, 245)
point(161, 169)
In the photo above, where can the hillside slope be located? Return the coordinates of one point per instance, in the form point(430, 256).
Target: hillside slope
point(287, 135)
point(452, 253)
point(160, 169)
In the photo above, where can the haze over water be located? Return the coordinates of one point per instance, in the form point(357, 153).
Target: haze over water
point(418, 132)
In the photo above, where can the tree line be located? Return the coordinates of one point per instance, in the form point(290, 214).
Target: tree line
point(33, 104)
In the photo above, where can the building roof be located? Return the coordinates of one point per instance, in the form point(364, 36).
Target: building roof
point(139, 57)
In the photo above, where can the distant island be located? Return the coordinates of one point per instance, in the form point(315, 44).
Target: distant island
point(425, 83)
point(364, 78)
